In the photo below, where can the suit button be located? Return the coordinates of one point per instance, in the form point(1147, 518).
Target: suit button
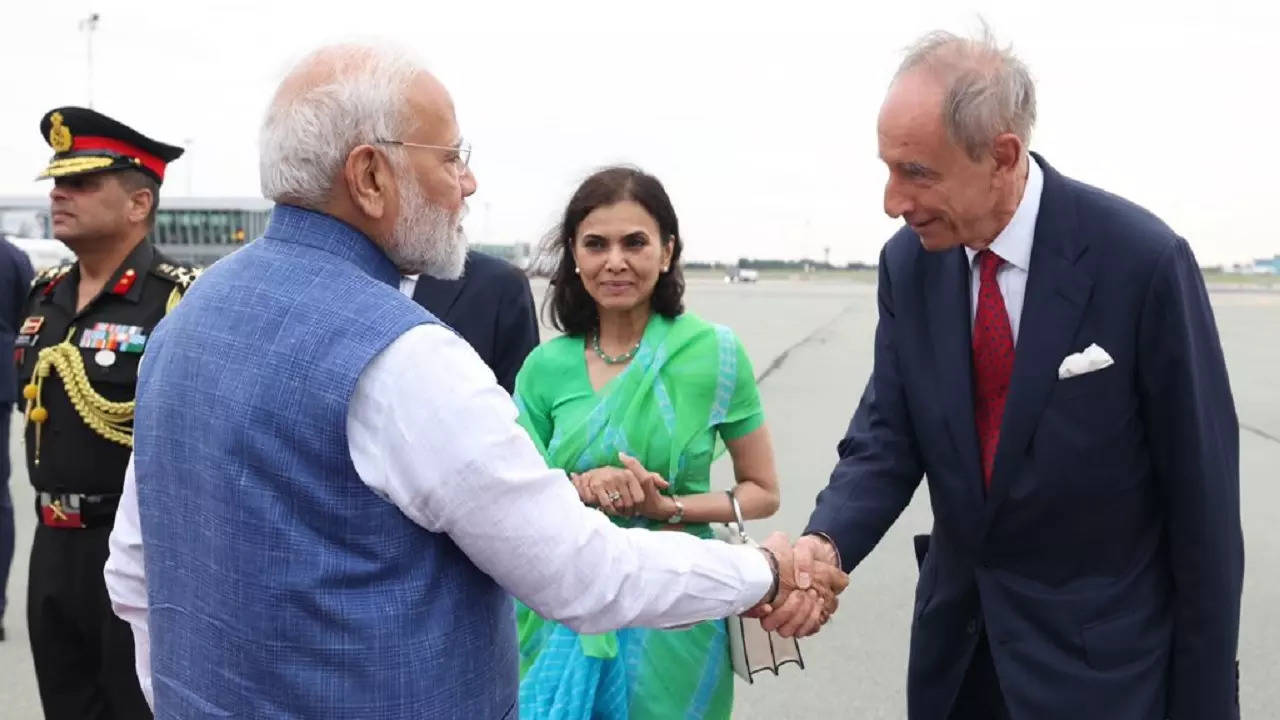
point(972, 627)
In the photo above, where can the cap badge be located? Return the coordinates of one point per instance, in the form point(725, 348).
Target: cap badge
point(59, 134)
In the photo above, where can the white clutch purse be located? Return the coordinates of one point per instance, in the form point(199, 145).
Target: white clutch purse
point(751, 648)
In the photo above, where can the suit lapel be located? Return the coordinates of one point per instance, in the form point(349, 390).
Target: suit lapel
point(437, 296)
point(947, 298)
point(1058, 290)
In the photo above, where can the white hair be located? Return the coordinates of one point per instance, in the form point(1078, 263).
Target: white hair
point(989, 91)
point(426, 239)
point(336, 98)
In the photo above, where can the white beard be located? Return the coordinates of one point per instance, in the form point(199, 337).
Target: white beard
point(426, 239)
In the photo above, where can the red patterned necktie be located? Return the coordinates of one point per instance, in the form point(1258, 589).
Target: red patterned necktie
point(992, 361)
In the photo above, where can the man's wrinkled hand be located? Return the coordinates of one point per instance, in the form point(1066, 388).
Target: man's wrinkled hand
point(799, 607)
point(812, 587)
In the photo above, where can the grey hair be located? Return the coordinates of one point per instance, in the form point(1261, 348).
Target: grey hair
point(333, 100)
point(988, 90)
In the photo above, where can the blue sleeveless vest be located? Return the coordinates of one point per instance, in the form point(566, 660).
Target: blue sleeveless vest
point(279, 584)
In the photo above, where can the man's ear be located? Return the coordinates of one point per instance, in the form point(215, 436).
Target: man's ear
point(1007, 151)
point(369, 180)
point(140, 203)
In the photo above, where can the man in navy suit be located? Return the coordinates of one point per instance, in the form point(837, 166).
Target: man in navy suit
point(15, 282)
point(1087, 556)
point(491, 307)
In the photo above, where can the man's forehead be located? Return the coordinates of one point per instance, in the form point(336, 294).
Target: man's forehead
point(910, 120)
point(430, 89)
point(434, 106)
point(902, 140)
point(912, 101)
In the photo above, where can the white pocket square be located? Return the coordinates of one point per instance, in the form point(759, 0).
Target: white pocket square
point(1093, 358)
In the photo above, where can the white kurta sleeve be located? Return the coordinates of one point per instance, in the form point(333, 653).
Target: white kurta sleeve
point(431, 430)
point(126, 577)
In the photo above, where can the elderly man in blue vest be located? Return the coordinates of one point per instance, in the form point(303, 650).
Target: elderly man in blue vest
point(331, 526)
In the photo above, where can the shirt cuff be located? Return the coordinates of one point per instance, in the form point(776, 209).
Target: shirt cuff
point(834, 547)
point(757, 578)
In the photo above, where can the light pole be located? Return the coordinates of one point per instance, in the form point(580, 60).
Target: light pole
point(88, 25)
point(191, 166)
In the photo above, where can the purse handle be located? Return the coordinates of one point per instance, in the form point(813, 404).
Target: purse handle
point(737, 514)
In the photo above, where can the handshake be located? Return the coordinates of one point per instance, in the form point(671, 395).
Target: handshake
point(809, 574)
point(809, 583)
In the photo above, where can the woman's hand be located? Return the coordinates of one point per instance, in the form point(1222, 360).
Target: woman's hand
point(654, 504)
point(616, 491)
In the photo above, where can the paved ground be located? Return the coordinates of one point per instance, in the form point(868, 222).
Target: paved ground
point(814, 341)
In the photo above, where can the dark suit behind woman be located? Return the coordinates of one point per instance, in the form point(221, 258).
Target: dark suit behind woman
point(491, 307)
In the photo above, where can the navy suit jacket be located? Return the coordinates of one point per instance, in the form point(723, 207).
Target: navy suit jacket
point(491, 307)
point(1105, 564)
point(15, 283)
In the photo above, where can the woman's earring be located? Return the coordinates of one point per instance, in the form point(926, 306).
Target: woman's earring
point(577, 270)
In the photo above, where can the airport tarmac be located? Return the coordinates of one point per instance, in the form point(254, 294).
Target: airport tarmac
point(811, 342)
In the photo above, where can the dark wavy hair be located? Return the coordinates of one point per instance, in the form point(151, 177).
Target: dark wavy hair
point(568, 307)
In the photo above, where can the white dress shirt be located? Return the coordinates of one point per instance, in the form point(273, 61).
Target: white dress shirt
point(1014, 245)
point(430, 430)
point(408, 283)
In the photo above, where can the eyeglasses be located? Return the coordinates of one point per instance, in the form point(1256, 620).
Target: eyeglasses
point(462, 151)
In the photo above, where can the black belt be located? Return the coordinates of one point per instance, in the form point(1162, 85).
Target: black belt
point(76, 510)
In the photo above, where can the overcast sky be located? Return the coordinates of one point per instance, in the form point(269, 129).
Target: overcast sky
point(758, 117)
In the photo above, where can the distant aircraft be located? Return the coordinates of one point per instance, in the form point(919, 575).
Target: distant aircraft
point(44, 253)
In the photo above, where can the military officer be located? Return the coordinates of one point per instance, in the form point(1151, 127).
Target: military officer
point(84, 331)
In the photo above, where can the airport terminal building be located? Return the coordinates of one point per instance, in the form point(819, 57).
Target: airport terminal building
point(195, 230)
point(191, 230)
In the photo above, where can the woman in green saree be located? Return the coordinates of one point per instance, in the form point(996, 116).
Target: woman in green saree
point(636, 379)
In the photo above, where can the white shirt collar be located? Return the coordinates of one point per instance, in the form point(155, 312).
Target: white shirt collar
point(1014, 241)
point(408, 283)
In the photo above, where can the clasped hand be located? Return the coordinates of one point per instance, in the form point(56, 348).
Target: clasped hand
point(809, 577)
point(809, 584)
point(629, 490)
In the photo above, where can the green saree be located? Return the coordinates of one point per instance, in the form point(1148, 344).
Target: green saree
point(689, 387)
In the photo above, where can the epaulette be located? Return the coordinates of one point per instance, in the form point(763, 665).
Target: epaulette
point(49, 275)
point(180, 275)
